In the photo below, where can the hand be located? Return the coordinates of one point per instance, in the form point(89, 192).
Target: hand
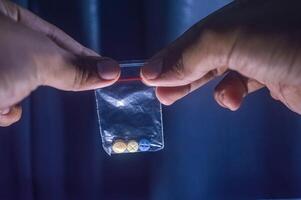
point(257, 43)
point(34, 53)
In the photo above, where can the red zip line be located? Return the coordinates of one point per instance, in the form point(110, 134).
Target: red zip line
point(129, 79)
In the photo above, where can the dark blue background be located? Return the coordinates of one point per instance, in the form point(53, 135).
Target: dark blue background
point(55, 151)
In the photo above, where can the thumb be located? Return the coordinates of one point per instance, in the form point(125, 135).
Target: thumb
point(84, 73)
point(192, 56)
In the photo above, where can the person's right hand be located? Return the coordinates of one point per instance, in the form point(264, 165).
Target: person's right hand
point(257, 42)
point(35, 53)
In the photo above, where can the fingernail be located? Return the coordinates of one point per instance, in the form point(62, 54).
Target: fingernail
point(108, 69)
point(152, 68)
point(4, 111)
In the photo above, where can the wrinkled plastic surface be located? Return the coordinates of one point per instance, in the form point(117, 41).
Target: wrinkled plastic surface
point(130, 111)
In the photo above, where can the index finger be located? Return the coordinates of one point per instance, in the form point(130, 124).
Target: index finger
point(189, 58)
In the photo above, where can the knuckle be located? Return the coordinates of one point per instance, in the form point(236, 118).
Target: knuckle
point(219, 43)
point(189, 88)
point(12, 117)
point(174, 64)
point(173, 57)
point(15, 114)
point(178, 68)
point(10, 10)
point(80, 78)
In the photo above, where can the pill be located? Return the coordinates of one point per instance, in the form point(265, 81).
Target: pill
point(144, 145)
point(119, 146)
point(132, 146)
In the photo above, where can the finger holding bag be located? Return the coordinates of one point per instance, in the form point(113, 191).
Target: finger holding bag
point(258, 40)
point(35, 53)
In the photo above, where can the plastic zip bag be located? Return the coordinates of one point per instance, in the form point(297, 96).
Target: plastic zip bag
point(129, 114)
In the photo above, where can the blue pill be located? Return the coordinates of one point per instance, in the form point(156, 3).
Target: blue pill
point(144, 145)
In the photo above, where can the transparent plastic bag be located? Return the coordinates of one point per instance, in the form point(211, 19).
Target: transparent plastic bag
point(129, 114)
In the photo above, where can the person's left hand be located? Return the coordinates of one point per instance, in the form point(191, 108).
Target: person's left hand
point(35, 53)
point(253, 49)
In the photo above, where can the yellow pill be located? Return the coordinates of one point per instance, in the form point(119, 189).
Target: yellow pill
point(132, 146)
point(119, 146)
